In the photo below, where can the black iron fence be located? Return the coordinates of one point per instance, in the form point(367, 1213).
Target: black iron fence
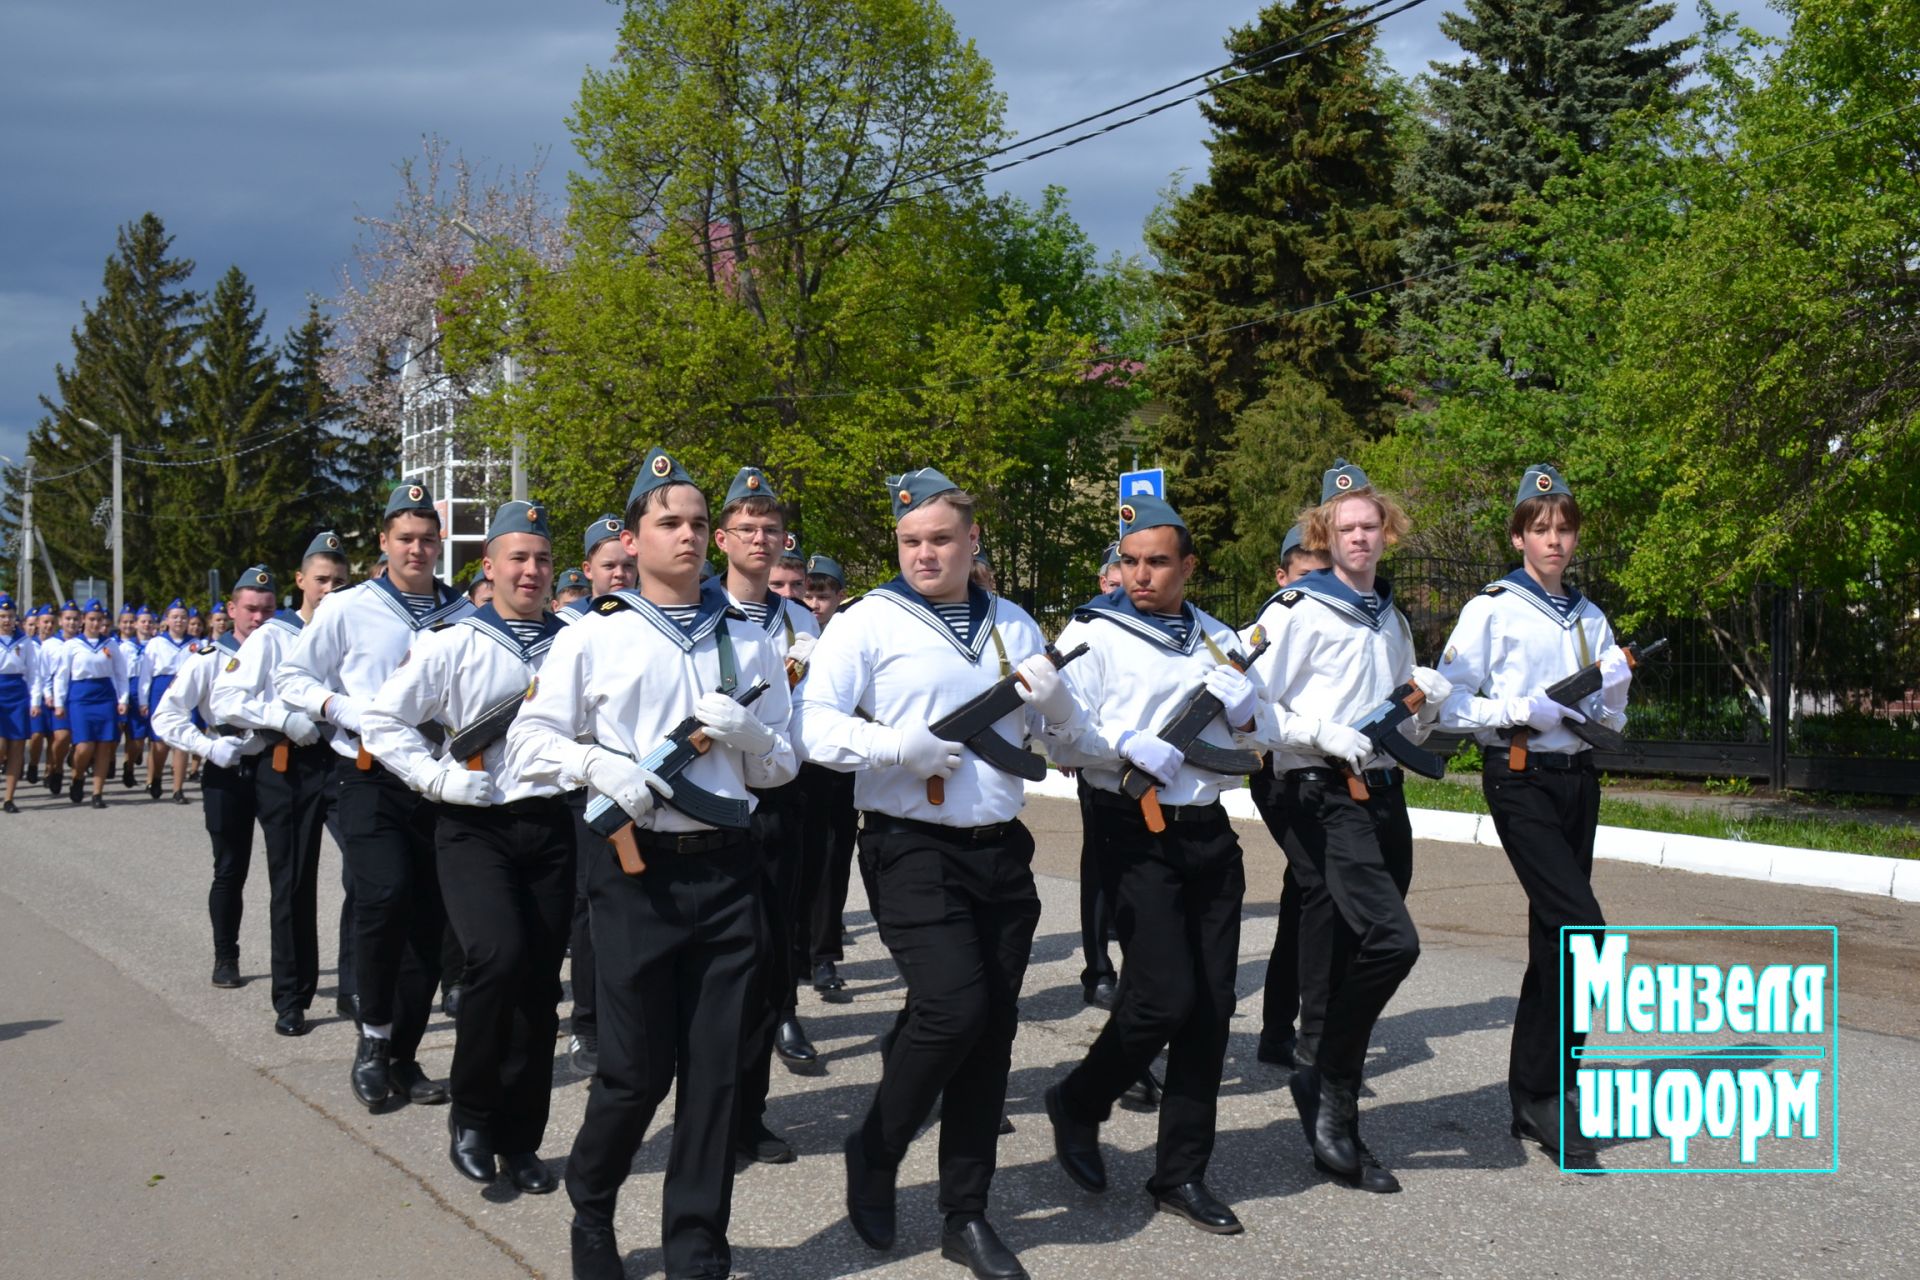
point(1814, 688)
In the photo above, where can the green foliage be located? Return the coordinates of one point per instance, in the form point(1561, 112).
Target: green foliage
point(1468, 758)
point(1736, 786)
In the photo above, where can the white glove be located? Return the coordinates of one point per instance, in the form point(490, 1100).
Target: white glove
point(1235, 691)
point(802, 648)
point(224, 752)
point(923, 753)
point(1437, 689)
point(1154, 754)
point(457, 784)
point(1615, 675)
point(1349, 746)
point(625, 783)
point(1041, 686)
point(1540, 713)
point(299, 728)
point(344, 712)
point(732, 725)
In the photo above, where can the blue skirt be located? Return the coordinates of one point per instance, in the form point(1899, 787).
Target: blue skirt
point(15, 724)
point(93, 711)
point(42, 721)
point(156, 691)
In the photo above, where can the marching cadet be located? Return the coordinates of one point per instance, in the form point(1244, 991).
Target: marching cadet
point(570, 586)
point(90, 692)
point(1521, 634)
point(139, 731)
point(1296, 974)
point(950, 865)
point(352, 644)
point(789, 574)
point(480, 590)
point(505, 847)
point(1099, 982)
point(751, 533)
point(52, 657)
point(676, 930)
point(832, 824)
point(196, 626)
point(1339, 647)
point(1177, 890)
point(160, 663)
point(219, 621)
point(291, 789)
point(36, 629)
point(609, 568)
point(19, 695)
point(227, 792)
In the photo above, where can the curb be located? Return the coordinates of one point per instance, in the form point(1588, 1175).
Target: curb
point(1897, 878)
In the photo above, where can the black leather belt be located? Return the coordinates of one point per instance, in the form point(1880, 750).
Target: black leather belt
point(1214, 812)
point(1552, 761)
point(958, 835)
point(687, 841)
point(1372, 777)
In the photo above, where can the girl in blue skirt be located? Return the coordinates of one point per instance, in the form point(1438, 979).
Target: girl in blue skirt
point(19, 681)
point(90, 686)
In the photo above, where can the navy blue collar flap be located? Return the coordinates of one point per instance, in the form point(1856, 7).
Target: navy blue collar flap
point(487, 619)
point(714, 605)
point(1533, 593)
point(447, 601)
point(982, 608)
point(1118, 607)
point(1325, 586)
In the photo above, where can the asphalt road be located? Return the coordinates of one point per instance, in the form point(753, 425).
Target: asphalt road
point(154, 1125)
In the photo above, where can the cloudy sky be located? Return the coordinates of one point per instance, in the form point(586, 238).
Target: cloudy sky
point(256, 131)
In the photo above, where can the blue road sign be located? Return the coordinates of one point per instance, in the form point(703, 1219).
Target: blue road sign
point(1135, 483)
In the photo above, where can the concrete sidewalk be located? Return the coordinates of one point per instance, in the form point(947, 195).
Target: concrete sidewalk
point(118, 1062)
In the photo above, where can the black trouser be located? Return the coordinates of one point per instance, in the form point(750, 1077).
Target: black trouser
point(1289, 972)
point(399, 922)
point(677, 948)
point(506, 874)
point(1096, 894)
point(229, 807)
point(832, 826)
point(776, 831)
point(343, 966)
point(587, 846)
point(957, 909)
point(1355, 862)
point(1177, 899)
point(1546, 819)
point(453, 958)
point(293, 814)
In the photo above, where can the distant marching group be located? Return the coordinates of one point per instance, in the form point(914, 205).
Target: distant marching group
point(663, 771)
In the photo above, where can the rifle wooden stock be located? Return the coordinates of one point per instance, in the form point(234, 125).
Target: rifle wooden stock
point(1150, 810)
point(282, 754)
point(1356, 785)
point(476, 762)
point(936, 790)
point(626, 847)
point(363, 760)
point(1517, 750)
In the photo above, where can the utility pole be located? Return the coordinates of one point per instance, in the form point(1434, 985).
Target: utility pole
point(26, 537)
point(119, 585)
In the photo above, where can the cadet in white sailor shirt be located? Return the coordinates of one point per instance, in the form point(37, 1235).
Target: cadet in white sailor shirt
point(19, 696)
point(355, 641)
point(1339, 647)
point(292, 788)
point(90, 687)
point(160, 662)
point(505, 847)
point(52, 656)
point(1523, 633)
point(952, 882)
point(677, 943)
point(1177, 889)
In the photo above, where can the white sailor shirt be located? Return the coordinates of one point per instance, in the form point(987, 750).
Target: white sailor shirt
point(191, 691)
point(84, 659)
point(163, 656)
point(244, 691)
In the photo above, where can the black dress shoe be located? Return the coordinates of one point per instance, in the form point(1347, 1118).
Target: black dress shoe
point(126, 775)
point(1277, 1052)
point(1102, 994)
point(226, 973)
point(1334, 1128)
point(33, 775)
point(530, 1173)
point(450, 1001)
point(762, 1145)
point(471, 1152)
point(1540, 1121)
point(828, 984)
point(1304, 1085)
point(75, 787)
point(1192, 1201)
point(1143, 1094)
point(9, 807)
point(180, 797)
point(1076, 1145)
point(153, 789)
point(583, 1054)
point(408, 1078)
point(370, 1073)
point(1006, 1124)
point(595, 1255)
point(870, 1197)
point(1374, 1176)
point(291, 1023)
point(974, 1245)
point(791, 1043)
point(53, 782)
point(99, 802)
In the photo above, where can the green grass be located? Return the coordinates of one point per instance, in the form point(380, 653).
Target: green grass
point(1840, 835)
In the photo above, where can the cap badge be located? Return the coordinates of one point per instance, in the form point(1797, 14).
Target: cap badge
point(662, 465)
point(1343, 481)
point(1126, 512)
point(906, 498)
point(753, 482)
point(1543, 482)
point(415, 493)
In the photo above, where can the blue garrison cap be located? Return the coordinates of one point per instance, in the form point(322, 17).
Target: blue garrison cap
point(126, 609)
point(1540, 481)
point(657, 469)
point(69, 605)
point(1111, 556)
point(193, 611)
point(258, 578)
point(175, 603)
point(907, 492)
point(95, 605)
point(6, 601)
point(750, 482)
point(219, 607)
point(599, 531)
point(1295, 536)
point(1344, 477)
point(826, 567)
point(571, 580)
point(145, 611)
point(790, 546)
point(1144, 511)
point(519, 516)
point(411, 497)
point(325, 543)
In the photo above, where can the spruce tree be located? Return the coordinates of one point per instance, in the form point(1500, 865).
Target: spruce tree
point(126, 378)
point(316, 422)
point(1263, 376)
point(1542, 83)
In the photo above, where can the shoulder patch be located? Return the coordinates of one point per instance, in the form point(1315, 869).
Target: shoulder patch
point(1494, 589)
point(233, 664)
point(609, 604)
point(1291, 597)
point(1084, 615)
